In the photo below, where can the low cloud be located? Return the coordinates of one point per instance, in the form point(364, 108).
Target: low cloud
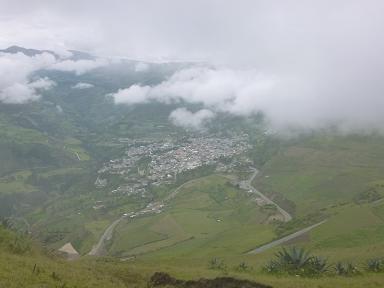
point(240, 92)
point(18, 84)
point(222, 89)
point(141, 67)
point(187, 119)
point(80, 66)
point(15, 83)
point(18, 93)
point(348, 99)
point(135, 94)
point(82, 85)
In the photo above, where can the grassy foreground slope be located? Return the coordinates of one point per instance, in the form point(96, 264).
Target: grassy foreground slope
point(24, 265)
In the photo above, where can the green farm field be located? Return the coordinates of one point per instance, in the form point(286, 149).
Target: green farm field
point(202, 220)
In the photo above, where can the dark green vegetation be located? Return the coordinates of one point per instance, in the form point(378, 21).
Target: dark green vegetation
point(299, 262)
point(163, 279)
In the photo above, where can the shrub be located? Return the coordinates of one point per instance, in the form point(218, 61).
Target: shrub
point(216, 263)
point(6, 223)
point(242, 267)
point(19, 245)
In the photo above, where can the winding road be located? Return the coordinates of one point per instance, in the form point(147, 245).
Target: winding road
point(100, 250)
point(247, 185)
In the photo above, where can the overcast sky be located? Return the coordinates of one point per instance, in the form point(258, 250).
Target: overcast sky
point(239, 31)
point(323, 57)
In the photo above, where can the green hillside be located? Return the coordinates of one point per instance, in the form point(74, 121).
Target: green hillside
point(52, 152)
point(203, 220)
point(323, 170)
point(25, 265)
point(338, 178)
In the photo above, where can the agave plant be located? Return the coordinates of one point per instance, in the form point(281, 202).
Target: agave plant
point(242, 267)
point(216, 263)
point(318, 265)
point(346, 269)
point(6, 223)
point(297, 261)
point(375, 265)
point(273, 267)
point(340, 268)
point(293, 258)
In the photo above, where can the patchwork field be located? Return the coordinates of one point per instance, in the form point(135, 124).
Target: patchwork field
point(204, 219)
point(339, 179)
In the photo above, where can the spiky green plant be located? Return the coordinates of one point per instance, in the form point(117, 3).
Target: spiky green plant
point(216, 263)
point(297, 261)
point(318, 265)
point(6, 223)
point(375, 265)
point(273, 267)
point(293, 258)
point(242, 267)
point(346, 269)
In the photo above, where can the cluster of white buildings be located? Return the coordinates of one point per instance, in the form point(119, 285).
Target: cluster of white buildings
point(194, 153)
point(146, 163)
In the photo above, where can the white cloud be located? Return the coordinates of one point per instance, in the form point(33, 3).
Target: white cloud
point(141, 67)
point(19, 93)
point(15, 69)
point(16, 85)
point(82, 85)
point(213, 87)
point(42, 84)
point(187, 119)
point(80, 66)
point(133, 95)
point(236, 91)
point(287, 100)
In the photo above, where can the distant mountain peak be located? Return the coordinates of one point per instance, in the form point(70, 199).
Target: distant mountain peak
point(76, 55)
point(29, 52)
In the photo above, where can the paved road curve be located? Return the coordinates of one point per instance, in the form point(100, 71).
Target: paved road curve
point(99, 248)
point(247, 184)
point(284, 239)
